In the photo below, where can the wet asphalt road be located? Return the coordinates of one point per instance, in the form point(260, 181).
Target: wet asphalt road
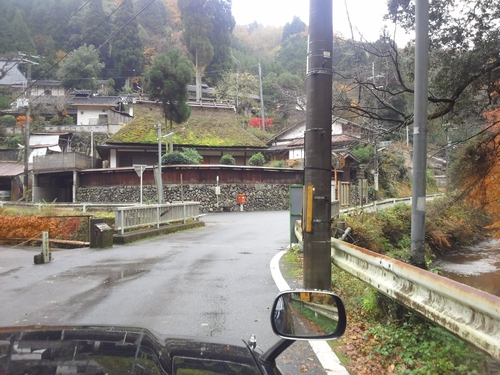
point(213, 281)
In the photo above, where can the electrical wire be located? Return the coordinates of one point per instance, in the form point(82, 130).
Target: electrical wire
point(74, 14)
point(102, 45)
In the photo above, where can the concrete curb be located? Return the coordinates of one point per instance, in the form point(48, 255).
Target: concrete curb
point(122, 239)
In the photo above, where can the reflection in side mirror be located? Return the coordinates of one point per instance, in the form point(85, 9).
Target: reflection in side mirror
point(308, 315)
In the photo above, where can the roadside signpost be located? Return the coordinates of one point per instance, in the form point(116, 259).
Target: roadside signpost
point(139, 169)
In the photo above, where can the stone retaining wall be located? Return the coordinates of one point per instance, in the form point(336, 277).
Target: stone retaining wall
point(260, 197)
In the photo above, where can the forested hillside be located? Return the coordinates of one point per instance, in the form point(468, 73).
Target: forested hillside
point(128, 34)
point(82, 41)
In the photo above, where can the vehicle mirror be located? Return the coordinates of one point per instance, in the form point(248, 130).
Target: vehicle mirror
point(308, 315)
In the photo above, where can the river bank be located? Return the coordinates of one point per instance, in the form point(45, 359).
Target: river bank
point(477, 265)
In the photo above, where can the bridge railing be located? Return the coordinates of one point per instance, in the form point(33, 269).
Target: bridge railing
point(469, 313)
point(149, 215)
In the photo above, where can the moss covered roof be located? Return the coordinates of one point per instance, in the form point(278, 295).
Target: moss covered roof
point(204, 128)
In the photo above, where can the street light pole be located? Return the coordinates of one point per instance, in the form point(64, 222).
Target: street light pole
point(261, 100)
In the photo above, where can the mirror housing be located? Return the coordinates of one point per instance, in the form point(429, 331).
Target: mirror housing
point(308, 315)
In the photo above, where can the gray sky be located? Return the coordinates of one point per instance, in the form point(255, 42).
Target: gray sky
point(366, 15)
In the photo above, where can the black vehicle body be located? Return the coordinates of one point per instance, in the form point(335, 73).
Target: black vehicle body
point(117, 350)
point(128, 350)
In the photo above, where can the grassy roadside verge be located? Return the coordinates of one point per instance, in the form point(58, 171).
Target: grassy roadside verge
point(382, 337)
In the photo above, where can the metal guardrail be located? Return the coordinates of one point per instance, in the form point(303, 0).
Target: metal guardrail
point(470, 313)
point(148, 215)
point(327, 312)
point(378, 205)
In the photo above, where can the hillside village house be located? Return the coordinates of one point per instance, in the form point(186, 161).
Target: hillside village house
point(346, 135)
point(10, 75)
point(213, 130)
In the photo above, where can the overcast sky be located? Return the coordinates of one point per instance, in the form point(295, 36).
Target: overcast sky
point(366, 15)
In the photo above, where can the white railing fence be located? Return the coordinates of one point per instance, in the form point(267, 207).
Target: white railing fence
point(155, 215)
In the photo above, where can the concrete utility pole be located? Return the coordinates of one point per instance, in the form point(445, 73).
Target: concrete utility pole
point(420, 133)
point(27, 138)
point(318, 148)
point(159, 181)
point(27, 125)
point(261, 100)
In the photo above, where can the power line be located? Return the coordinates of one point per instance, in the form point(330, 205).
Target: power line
point(74, 14)
point(102, 45)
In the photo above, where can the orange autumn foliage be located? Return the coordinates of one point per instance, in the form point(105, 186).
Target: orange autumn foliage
point(485, 178)
point(14, 228)
point(21, 120)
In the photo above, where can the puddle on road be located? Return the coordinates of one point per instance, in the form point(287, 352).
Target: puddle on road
point(125, 275)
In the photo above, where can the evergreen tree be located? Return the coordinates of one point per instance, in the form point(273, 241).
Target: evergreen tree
point(127, 59)
point(196, 18)
point(95, 32)
point(293, 28)
point(39, 15)
point(293, 54)
point(21, 39)
point(6, 41)
point(66, 35)
point(167, 81)
point(81, 68)
point(154, 18)
point(223, 25)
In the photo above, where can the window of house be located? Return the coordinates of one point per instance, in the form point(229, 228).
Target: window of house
point(103, 119)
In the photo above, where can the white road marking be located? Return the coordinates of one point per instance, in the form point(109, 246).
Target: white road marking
point(325, 354)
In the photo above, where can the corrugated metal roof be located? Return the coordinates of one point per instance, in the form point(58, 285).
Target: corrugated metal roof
point(44, 140)
point(13, 76)
point(11, 169)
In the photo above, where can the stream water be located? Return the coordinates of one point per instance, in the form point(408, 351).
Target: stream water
point(477, 266)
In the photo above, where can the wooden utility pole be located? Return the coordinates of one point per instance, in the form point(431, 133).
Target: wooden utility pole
point(318, 148)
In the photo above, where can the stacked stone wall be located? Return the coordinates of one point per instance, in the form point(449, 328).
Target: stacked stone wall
point(260, 197)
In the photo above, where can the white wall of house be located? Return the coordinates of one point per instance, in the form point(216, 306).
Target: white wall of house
point(89, 115)
point(336, 128)
point(296, 154)
point(47, 90)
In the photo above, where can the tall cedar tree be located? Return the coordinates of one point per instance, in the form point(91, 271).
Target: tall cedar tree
point(96, 30)
point(166, 81)
point(197, 21)
point(220, 39)
point(127, 59)
point(207, 28)
point(21, 38)
point(155, 18)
